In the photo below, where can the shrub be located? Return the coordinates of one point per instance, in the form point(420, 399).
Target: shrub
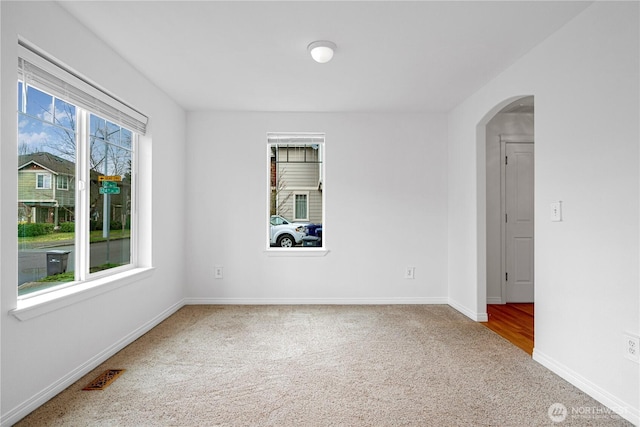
point(32, 229)
point(67, 227)
point(115, 225)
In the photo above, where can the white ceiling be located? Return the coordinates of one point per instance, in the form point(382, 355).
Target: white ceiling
point(392, 56)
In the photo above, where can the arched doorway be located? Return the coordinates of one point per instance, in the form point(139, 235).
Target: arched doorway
point(505, 239)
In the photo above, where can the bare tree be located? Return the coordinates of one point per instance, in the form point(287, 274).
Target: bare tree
point(101, 150)
point(65, 144)
point(24, 148)
point(278, 199)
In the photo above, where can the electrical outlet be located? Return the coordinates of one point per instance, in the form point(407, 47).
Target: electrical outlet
point(217, 272)
point(632, 347)
point(410, 273)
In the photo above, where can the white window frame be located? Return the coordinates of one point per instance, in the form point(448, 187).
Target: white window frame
point(272, 138)
point(82, 246)
point(296, 218)
point(62, 179)
point(44, 176)
point(54, 79)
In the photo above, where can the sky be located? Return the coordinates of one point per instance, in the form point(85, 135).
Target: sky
point(47, 124)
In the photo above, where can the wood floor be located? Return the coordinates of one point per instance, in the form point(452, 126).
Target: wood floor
point(514, 322)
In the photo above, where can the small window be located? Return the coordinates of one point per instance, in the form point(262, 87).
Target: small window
point(43, 181)
point(296, 202)
point(301, 207)
point(62, 182)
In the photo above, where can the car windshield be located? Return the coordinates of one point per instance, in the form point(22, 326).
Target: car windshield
point(279, 220)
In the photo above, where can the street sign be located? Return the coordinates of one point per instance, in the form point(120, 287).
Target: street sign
point(109, 184)
point(103, 178)
point(109, 190)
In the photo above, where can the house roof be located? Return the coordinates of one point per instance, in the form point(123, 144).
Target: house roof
point(56, 165)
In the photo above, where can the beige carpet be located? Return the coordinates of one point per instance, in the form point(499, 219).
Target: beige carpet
point(321, 366)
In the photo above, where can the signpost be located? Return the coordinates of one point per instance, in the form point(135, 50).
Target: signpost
point(109, 178)
point(109, 190)
point(109, 186)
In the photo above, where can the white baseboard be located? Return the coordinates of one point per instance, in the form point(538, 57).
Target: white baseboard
point(476, 317)
point(494, 300)
point(314, 301)
point(25, 408)
point(624, 409)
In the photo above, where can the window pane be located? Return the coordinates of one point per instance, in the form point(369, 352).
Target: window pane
point(62, 182)
point(46, 220)
point(126, 137)
point(113, 133)
point(110, 204)
point(64, 114)
point(43, 182)
point(301, 206)
point(39, 104)
point(97, 127)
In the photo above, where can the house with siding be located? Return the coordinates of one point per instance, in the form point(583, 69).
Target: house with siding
point(46, 191)
point(46, 188)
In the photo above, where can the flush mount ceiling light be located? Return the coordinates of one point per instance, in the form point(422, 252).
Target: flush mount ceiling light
point(322, 50)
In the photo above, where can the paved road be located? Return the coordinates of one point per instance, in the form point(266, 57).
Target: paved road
point(32, 263)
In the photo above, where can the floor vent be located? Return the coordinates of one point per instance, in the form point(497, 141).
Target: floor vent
point(104, 379)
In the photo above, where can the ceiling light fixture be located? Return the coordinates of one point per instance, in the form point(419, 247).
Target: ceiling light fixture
point(321, 50)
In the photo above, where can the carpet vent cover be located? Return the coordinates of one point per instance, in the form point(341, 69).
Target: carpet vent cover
point(104, 379)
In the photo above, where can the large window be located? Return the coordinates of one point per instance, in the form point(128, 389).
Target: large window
point(296, 203)
point(76, 178)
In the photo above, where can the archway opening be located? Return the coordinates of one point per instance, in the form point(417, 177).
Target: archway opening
point(506, 243)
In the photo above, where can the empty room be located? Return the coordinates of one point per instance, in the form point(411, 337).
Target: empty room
point(319, 213)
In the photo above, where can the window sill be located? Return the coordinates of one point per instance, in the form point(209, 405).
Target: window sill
point(30, 308)
point(296, 252)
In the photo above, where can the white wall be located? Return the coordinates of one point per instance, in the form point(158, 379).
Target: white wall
point(385, 209)
point(41, 356)
point(585, 82)
point(500, 124)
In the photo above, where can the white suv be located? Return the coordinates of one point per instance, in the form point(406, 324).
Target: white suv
point(285, 233)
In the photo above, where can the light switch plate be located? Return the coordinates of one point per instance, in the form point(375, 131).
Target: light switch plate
point(556, 211)
point(410, 273)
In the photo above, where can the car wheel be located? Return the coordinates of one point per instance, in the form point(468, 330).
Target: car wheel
point(285, 241)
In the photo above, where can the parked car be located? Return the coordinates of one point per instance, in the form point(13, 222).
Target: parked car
point(285, 233)
point(314, 230)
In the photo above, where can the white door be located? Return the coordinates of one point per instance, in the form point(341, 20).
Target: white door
point(519, 222)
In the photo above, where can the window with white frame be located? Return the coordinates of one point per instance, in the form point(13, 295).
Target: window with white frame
point(301, 206)
point(70, 129)
point(43, 181)
point(62, 182)
point(296, 202)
